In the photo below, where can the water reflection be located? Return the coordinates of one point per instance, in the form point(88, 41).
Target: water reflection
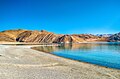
point(104, 54)
point(115, 47)
point(46, 49)
point(49, 49)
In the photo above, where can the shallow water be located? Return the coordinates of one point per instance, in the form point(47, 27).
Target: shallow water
point(104, 54)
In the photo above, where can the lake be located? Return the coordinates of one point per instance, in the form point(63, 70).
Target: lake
point(104, 53)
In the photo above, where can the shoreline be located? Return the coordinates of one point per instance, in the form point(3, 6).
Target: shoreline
point(18, 57)
point(30, 43)
point(71, 59)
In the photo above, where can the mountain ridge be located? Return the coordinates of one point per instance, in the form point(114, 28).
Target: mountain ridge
point(44, 36)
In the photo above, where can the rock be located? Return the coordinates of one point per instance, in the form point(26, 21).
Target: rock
point(114, 38)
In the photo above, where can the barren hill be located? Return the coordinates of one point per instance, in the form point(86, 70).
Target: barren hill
point(10, 35)
point(36, 36)
point(46, 37)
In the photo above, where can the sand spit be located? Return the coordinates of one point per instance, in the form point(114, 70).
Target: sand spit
point(20, 62)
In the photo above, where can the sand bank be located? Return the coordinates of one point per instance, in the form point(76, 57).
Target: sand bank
point(21, 62)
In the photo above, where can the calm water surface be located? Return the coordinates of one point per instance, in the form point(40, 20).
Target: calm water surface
point(104, 54)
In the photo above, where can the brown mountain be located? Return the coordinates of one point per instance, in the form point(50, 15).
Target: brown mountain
point(47, 37)
point(36, 36)
point(10, 35)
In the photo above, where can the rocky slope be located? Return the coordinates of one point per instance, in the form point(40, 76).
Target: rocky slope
point(114, 38)
point(4, 37)
point(47, 37)
point(10, 35)
point(36, 36)
point(79, 38)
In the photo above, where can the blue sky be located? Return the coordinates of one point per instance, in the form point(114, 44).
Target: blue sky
point(61, 16)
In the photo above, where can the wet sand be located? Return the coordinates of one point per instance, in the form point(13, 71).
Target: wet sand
point(21, 62)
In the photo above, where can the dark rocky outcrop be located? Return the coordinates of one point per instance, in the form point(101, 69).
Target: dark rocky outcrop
point(114, 38)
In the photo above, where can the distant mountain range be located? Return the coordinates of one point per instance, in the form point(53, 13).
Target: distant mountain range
point(104, 35)
point(115, 37)
point(49, 37)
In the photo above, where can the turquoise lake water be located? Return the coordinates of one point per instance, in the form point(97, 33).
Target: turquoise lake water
point(104, 54)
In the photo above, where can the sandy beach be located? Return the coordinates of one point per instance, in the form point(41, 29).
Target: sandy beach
point(21, 62)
